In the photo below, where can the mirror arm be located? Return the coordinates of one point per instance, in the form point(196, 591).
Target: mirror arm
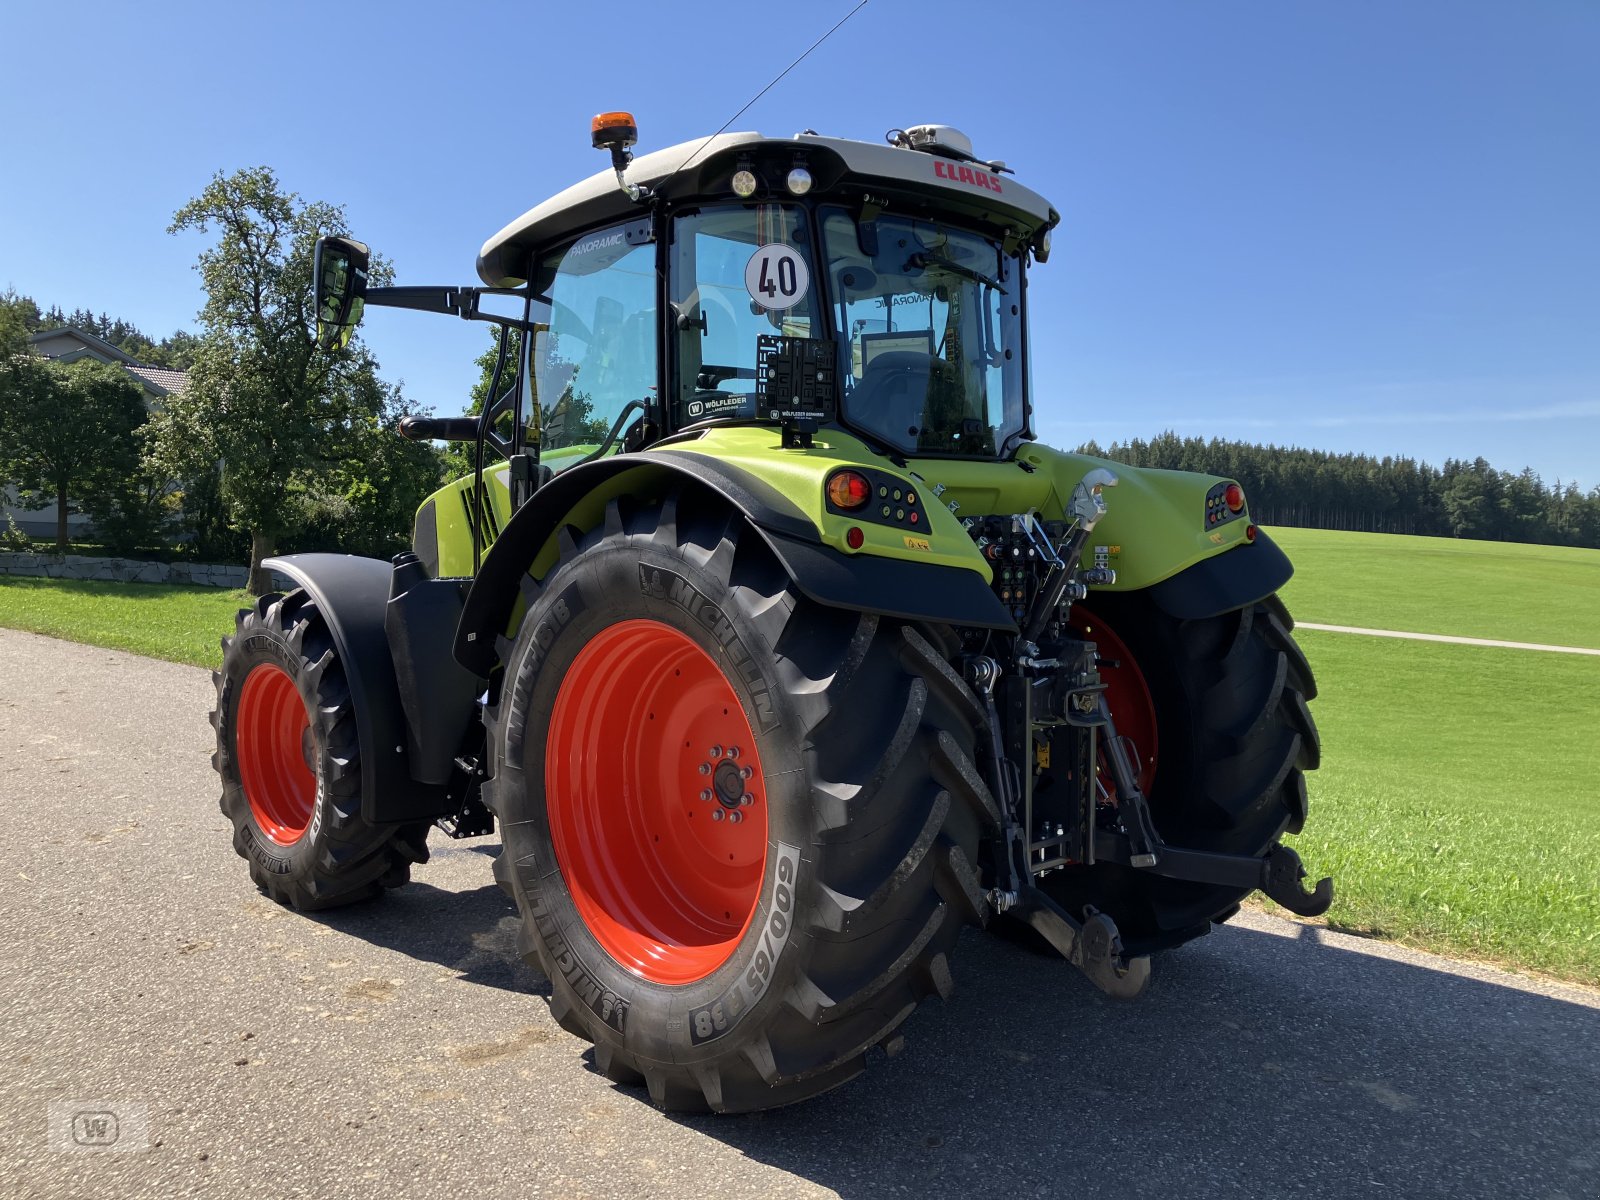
point(457, 301)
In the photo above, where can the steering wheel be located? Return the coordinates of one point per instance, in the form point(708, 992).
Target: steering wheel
point(711, 374)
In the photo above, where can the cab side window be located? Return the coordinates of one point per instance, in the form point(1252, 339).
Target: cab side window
point(595, 352)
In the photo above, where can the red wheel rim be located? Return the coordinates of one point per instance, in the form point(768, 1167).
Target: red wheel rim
point(273, 741)
point(650, 758)
point(1127, 694)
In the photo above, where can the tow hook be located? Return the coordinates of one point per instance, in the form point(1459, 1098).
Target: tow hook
point(1281, 873)
point(1093, 945)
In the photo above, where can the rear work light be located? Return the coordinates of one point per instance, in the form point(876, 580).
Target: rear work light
point(849, 489)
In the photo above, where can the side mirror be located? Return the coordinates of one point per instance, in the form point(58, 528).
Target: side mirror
point(340, 272)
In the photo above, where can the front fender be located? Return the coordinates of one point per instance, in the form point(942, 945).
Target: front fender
point(352, 594)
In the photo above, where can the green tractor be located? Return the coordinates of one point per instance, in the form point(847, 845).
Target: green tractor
point(773, 643)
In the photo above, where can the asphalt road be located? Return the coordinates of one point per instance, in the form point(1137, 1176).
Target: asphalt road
point(403, 1050)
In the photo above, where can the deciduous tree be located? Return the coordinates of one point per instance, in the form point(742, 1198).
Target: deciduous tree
point(70, 433)
point(280, 418)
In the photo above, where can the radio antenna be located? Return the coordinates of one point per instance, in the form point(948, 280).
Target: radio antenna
point(761, 93)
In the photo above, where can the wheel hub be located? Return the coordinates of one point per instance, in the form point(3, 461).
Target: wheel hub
point(729, 783)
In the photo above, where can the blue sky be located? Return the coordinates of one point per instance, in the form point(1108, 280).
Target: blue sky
point(1356, 226)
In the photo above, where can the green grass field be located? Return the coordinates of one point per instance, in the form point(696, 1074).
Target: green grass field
point(1548, 594)
point(1458, 805)
point(171, 621)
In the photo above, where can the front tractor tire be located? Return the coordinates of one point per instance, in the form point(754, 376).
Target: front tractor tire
point(1218, 711)
point(290, 763)
point(741, 828)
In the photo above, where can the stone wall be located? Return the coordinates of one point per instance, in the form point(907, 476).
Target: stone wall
point(131, 570)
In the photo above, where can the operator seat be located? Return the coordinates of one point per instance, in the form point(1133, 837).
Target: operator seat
point(894, 393)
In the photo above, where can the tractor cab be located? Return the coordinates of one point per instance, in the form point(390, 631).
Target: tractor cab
point(806, 282)
point(810, 280)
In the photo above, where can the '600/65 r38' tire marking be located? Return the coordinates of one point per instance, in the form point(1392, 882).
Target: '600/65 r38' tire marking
point(717, 1018)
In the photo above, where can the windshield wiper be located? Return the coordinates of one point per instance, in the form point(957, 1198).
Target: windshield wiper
point(924, 259)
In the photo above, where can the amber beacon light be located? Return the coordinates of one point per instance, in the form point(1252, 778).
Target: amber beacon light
point(613, 130)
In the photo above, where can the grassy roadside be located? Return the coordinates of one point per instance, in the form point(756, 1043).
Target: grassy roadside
point(159, 620)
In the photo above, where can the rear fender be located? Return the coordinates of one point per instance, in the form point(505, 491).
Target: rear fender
point(1249, 572)
point(1155, 534)
point(578, 498)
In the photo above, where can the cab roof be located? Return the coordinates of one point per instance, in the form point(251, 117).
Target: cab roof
point(703, 167)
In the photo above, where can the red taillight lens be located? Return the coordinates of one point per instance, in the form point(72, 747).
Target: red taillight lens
point(853, 537)
point(849, 489)
point(1233, 497)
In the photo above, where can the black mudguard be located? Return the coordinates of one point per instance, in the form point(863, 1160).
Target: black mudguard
point(438, 697)
point(913, 591)
point(1249, 572)
point(353, 595)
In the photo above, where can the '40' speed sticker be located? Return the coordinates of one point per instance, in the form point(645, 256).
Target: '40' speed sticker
point(776, 277)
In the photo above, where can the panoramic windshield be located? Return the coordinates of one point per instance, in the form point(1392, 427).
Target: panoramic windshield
point(930, 329)
point(594, 350)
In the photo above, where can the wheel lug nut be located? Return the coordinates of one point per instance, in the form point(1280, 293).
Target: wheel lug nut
point(747, 799)
point(705, 794)
point(746, 772)
point(705, 768)
point(733, 752)
point(716, 752)
point(716, 814)
point(736, 817)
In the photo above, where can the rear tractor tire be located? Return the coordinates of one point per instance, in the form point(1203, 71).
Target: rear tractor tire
point(1217, 709)
point(290, 763)
point(741, 828)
